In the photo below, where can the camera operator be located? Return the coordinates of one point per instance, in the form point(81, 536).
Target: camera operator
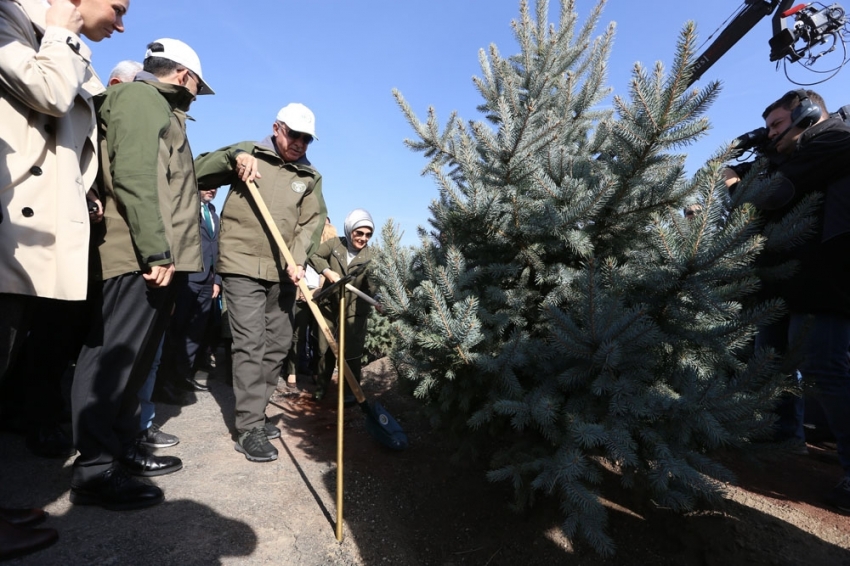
point(811, 154)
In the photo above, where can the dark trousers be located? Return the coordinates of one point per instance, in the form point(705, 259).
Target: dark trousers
point(327, 364)
point(260, 315)
point(303, 357)
point(112, 367)
point(16, 312)
point(186, 331)
point(820, 343)
point(35, 393)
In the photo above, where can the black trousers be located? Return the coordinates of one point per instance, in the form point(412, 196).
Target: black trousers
point(186, 331)
point(36, 387)
point(16, 313)
point(113, 365)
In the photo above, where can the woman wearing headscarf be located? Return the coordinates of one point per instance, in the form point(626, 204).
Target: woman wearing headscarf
point(335, 259)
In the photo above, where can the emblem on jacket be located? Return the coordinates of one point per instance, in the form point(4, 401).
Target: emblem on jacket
point(299, 187)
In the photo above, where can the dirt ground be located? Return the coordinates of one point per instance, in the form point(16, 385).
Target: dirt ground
point(400, 508)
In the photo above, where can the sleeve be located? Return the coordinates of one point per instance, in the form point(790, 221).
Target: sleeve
point(310, 224)
point(133, 149)
point(216, 168)
point(319, 260)
point(46, 79)
point(818, 161)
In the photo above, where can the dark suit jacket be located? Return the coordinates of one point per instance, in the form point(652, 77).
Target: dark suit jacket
point(209, 250)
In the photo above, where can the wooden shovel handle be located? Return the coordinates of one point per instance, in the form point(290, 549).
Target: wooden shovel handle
point(302, 285)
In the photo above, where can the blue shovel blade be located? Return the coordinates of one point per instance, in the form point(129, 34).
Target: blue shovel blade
point(383, 427)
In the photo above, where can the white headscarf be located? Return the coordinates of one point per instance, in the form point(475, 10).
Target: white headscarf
point(357, 218)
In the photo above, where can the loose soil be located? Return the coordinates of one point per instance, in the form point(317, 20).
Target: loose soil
point(448, 514)
point(416, 507)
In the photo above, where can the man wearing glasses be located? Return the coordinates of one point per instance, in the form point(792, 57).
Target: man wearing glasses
point(150, 237)
point(259, 288)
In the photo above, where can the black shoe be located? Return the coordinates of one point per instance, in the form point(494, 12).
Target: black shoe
point(50, 441)
point(153, 437)
point(139, 461)
point(349, 400)
point(256, 446)
point(193, 384)
point(15, 541)
point(116, 490)
point(272, 431)
point(170, 396)
point(22, 517)
point(840, 495)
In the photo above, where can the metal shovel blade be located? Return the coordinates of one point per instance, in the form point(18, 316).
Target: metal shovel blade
point(383, 427)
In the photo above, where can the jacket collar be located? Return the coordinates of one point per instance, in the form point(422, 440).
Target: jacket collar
point(177, 96)
point(267, 147)
point(830, 123)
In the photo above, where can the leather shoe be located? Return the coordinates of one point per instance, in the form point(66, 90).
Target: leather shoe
point(116, 490)
point(15, 541)
point(22, 517)
point(170, 396)
point(193, 384)
point(139, 461)
point(50, 441)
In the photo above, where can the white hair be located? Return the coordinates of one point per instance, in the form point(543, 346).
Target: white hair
point(125, 71)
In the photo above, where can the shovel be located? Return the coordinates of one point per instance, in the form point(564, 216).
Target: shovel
point(379, 423)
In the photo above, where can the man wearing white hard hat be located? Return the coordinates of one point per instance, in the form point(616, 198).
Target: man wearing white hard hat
point(150, 237)
point(259, 288)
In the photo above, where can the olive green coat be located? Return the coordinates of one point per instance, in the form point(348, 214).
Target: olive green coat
point(149, 191)
point(333, 255)
point(291, 191)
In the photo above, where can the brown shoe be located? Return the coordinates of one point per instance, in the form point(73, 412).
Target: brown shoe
point(22, 517)
point(15, 541)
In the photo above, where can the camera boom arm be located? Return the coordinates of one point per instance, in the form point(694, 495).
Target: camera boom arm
point(811, 25)
point(731, 34)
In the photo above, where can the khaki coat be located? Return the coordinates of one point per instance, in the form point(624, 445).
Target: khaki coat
point(47, 154)
point(291, 191)
point(333, 255)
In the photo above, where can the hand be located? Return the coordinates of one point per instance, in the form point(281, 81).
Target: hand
point(730, 177)
point(295, 273)
point(159, 275)
point(97, 215)
point(64, 14)
point(380, 308)
point(246, 167)
point(216, 291)
point(331, 275)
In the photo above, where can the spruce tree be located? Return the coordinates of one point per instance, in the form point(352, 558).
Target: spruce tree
point(561, 304)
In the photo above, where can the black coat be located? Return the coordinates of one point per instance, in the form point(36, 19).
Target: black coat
point(821, 163)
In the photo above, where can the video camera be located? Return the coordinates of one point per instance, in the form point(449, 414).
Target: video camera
point(812, 27)
point(758, 141)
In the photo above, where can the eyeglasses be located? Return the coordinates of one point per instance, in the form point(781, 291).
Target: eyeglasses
point(361, 234)
point(295, 136)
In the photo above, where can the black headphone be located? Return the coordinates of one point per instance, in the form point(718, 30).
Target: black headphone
point(806, 113)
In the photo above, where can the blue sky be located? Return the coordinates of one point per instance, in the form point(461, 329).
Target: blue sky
point(342, 58)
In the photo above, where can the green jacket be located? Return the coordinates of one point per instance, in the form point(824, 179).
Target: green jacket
point(333, 255)
point(293, 194)
point(148, 185)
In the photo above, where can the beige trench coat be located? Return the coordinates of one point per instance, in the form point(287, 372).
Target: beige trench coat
point(47, 154)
